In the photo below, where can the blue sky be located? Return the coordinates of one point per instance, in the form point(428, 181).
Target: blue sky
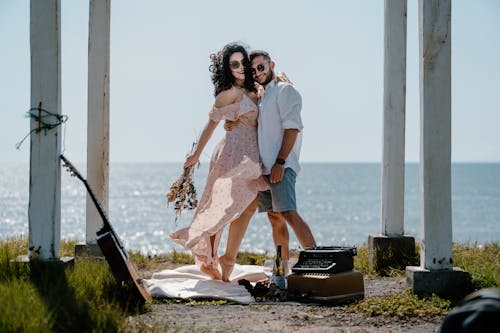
point(332, 50)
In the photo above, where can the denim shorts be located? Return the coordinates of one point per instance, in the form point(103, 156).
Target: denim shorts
point(281, 196)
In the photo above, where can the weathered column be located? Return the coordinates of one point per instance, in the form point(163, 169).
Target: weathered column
point(436, 273)
point(393, 152)
point(98, 114)
point(435, 134)
point(392, 248)
point(44, 212)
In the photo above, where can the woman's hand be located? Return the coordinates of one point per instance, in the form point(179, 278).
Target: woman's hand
point(229, 124)
point(281, 77)
point(191, 160)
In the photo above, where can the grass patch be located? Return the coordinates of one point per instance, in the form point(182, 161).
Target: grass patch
point(247, 258)
point(162, 261)
point(403, 305)
point(482, 262)
point(361, 261)
point(37, 297)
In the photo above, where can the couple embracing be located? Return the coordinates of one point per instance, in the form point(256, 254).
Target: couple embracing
point(254, 165)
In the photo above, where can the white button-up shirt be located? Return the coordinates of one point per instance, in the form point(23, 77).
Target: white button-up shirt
point(279, 109)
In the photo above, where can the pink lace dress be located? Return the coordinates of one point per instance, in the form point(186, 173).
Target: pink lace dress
point(234, 178)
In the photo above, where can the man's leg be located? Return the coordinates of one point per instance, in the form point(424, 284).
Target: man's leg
point(300, 228)
point(280, 232)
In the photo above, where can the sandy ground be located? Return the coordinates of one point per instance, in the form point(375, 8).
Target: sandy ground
point(285, 317)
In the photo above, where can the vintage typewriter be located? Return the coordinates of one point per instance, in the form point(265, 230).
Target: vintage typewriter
point(325, 259)
point(325, 274)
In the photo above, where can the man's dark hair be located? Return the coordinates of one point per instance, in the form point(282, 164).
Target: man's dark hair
point(259, 53)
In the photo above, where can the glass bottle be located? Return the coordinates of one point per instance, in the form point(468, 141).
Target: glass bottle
point(279, 277)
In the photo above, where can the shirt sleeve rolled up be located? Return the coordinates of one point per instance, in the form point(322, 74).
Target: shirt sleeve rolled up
point(290, 105)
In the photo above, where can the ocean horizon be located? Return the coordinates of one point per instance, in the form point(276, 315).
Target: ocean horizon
point(339, 200)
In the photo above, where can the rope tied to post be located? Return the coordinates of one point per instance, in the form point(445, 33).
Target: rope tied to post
point(46, 121)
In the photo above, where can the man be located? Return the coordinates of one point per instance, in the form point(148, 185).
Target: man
point(280, 139)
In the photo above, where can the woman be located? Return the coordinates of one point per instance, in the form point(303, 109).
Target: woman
point(235, 174)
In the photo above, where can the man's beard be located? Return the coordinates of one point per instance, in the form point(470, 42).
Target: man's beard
point(269, 78)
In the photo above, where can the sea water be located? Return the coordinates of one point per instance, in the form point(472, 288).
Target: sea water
point(340, 201)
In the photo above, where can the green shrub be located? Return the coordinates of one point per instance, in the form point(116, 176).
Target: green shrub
point(403, 305)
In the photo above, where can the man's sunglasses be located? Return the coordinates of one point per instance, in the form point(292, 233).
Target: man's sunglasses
point(260, 68)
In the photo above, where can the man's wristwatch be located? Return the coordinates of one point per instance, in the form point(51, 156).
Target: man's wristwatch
point(280, 161)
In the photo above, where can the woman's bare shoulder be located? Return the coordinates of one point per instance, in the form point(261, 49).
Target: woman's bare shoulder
point(227, 97)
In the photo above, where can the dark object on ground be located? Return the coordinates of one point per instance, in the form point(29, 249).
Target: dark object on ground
point(325, 259)
point(478, 312)
point(261, 288)
point(338, 288)
point(264, 291)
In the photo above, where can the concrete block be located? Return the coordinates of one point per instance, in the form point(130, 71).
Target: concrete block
point(41, 266)
point(65, 261)
point(386, 252)
point(88, 250)
point(451, 284)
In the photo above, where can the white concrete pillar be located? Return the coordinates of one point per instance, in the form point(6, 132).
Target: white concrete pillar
point(98, 114)
point(392, 249)
point(44, 212)
point(393, 156)
point(436, 274)
point(435, 133)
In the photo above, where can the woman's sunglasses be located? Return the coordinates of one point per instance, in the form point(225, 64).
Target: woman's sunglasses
point(235, 64)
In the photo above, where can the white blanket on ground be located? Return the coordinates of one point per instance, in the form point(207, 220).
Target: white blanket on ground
point(190, 282)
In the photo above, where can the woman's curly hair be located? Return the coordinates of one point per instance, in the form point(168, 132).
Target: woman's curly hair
point(222, 77)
